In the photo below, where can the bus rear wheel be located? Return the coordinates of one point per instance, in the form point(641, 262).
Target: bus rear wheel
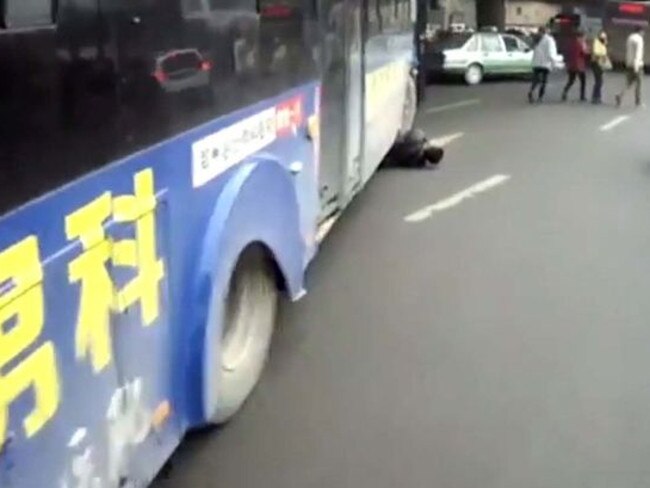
point(248, 321)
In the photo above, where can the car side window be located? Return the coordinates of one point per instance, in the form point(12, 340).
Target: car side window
point(472, 44)
point(512, 44)
point(523, 46)
point(491, 44)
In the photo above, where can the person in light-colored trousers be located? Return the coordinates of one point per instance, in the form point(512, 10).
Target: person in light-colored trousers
point(634, 64)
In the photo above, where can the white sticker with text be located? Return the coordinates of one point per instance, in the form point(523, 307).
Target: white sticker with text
point(220, 151)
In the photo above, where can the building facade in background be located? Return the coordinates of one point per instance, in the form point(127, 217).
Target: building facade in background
point(529, 14)
point(450, 13)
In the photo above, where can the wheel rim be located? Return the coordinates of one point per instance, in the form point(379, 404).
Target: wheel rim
point(473, 74)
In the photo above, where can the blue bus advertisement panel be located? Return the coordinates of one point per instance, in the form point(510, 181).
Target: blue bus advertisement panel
point(166, 171)
point(89, 287)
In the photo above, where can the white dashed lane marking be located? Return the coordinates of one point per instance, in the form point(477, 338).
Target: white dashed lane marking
point(449, 202)
point(443, 141)
point(453, 106)
point(615, 122)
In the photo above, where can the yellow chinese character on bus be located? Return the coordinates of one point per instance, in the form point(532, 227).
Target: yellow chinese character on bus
point(140, 253)
point(92, 334)
point(99, 298)
point(21, 323)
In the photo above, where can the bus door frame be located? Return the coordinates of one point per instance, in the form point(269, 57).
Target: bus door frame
point(354, 95)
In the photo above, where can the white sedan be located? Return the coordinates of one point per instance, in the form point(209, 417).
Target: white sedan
point(476, 55)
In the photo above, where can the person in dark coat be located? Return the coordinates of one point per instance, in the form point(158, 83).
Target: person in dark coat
point(576, 63)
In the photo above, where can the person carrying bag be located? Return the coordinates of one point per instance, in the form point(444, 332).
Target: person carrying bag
point(600, 63)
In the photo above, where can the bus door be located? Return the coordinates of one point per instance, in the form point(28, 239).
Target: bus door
point(340, 103)
point(354, 97)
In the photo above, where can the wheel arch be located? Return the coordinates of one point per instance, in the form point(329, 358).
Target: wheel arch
point(257, 208)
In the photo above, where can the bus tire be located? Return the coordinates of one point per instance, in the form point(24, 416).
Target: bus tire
point(474, 74)
point(410, 105)
point(249, 318)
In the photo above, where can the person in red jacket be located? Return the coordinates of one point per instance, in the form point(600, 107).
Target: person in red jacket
point(576, 63)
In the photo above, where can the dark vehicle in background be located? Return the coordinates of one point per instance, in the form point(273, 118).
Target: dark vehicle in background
point(571, 20)
point(619, 21)
point(563, 28)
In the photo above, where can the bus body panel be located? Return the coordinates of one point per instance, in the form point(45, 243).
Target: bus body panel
point(120, 417)
point(231, 229)
point(160, 141)
point(389, 64)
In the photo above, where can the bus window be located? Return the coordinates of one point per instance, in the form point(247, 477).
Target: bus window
point(388, 16)
point(106, 84)
point(27, 13)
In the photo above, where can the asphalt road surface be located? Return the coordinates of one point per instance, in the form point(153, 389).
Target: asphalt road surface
point(483, 325)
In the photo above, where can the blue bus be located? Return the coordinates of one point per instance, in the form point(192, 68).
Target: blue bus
point(167, 171)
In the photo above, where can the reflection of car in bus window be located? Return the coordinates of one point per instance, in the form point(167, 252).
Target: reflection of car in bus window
point(281, 33)
point(182, 70)
point(228, 29)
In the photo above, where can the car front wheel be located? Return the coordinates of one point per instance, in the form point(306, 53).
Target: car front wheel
point(474, 74)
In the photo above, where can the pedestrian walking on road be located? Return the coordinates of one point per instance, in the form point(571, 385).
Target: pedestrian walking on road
point(544, 59)
point(600, 63)
point(634, 63)
point(576, 66)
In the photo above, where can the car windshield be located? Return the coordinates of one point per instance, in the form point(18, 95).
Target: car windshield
point(451, 40)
